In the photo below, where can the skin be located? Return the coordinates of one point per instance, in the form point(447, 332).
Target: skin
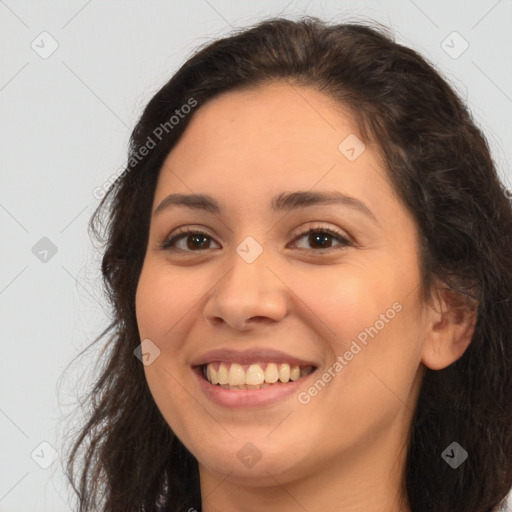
point(345, 449)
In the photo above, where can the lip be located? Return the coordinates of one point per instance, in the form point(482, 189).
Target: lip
point(243, 399)
point(251, 356)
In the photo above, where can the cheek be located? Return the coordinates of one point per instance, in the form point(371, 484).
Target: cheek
point(371, 320)
point(160, 304)
point(162, 300)
point(381, 354)
point(346, 301)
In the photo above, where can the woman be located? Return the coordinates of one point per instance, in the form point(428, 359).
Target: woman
point(309, 252)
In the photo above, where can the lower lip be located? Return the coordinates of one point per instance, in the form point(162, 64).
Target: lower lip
point(239, 398)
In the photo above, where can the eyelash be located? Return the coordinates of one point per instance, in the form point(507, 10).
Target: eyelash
point(168, 243)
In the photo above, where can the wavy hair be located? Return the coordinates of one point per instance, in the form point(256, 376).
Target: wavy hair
point(126, 458)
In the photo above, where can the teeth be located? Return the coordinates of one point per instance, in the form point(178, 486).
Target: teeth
point(294, 373)
point(271, 373)
point(284, 372)
point(211, 374)
point(222, 374)
point(254, 375)
point(237, 376)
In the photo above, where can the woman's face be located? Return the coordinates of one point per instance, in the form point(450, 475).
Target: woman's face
point(260, 297)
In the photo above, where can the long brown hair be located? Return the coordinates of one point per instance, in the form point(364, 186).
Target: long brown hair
point(127, 458)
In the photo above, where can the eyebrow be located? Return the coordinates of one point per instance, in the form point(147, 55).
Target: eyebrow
point(281, 202)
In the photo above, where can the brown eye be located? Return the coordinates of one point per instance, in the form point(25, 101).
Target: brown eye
point(319, 239)
point(322, 238)
point(194, 241)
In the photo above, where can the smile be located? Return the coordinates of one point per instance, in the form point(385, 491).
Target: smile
point(252, 376)
point(256, 377)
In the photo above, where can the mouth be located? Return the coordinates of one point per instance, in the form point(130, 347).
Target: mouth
point(252, 376)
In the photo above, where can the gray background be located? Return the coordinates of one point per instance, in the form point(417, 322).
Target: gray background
point(65, 123)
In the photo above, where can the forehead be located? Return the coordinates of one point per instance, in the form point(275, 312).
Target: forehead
point(279, 113)
point(275, 132)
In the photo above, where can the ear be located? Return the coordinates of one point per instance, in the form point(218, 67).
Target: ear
point(451, 320)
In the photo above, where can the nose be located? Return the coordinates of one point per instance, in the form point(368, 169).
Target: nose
point(249, 294)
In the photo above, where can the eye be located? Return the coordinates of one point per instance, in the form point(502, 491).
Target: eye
point(194, 240)
point(322, 238)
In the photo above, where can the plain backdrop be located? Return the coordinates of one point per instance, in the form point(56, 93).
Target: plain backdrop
point(74, 78)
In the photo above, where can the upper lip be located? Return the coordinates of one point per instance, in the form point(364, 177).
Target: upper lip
point(250, 356)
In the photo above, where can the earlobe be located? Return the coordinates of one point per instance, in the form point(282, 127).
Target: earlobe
point(449, 329)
